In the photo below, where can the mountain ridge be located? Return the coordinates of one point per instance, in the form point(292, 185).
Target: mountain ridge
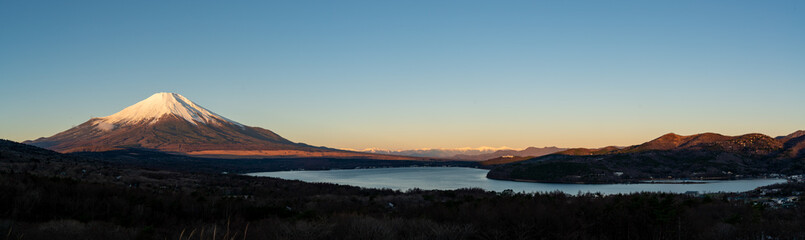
point(466, 153)
point(527, 152)
point(445, 153)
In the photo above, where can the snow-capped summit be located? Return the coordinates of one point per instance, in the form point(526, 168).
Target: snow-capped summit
point(157, 106)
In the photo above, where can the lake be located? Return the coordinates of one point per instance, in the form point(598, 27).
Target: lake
point(448, 178)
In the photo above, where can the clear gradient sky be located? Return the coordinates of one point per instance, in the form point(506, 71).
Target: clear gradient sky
point(414, 74)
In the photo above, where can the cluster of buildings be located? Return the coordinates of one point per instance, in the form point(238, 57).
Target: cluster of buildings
point(769, 197)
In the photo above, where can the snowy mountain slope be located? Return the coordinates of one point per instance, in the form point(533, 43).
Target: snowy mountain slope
point(172, 123)
point(160, 104)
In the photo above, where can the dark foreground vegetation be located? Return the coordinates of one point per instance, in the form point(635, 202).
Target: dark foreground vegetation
point(155, 159)
point(46, 195)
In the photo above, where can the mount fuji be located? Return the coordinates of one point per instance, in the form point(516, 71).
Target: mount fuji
point(169, 122)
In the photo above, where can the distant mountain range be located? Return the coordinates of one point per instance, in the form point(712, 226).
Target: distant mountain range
point(446, 153)
point(466, 154)
point(700, 156)
point(528, 152)
point(171, 123)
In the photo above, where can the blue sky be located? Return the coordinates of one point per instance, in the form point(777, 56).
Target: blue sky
point(414, 74)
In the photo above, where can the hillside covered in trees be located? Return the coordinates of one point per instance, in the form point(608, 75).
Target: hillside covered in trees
point(671, 156)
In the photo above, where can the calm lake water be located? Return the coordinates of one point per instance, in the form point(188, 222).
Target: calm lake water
point(447, 178)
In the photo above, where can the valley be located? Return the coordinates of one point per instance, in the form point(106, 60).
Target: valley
point(45, 194)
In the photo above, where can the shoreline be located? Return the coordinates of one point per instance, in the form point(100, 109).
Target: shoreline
point(639, 181)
